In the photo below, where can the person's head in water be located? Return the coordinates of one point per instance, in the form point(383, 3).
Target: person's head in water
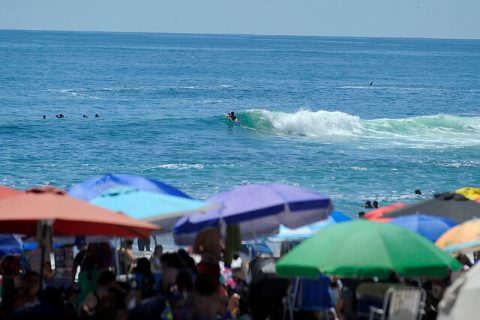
point(60, 116)
point(418, 191)
point(44, 117)
point(96, 115)
point(85, 116)
point(361, 215)
point(375, 204)
point(368, 204)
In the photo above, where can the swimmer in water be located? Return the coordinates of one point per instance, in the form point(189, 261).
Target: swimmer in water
point(60, 116)
point(96, 115)
point(85, 116)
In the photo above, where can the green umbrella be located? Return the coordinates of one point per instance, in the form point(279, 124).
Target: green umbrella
point(366, 249)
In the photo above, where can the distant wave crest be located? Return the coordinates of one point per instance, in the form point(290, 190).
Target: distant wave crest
point(327, 124)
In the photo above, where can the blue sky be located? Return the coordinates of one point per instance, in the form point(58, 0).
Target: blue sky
point(390, 18)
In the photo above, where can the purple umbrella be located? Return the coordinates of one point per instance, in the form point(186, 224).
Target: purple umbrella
point(259, 209)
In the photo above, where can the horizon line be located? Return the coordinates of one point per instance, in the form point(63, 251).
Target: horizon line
point(241, 34)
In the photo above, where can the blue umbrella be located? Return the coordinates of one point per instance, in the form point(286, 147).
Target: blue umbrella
point(259, 209)
point(95, 187)
point(256, 249)
point(10, 244)
point(158, 208)
point(287, 234)
point(27, 246)
point(429, 226)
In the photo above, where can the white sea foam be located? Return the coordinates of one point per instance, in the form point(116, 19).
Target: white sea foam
point(181, 166)
point(438, 131)
point(314, 123)
point(74, 93)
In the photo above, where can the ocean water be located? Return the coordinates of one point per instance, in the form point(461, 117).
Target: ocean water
point(353, 118)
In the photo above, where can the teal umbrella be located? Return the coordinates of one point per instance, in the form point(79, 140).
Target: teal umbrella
point(161, 209)
point(366, 249)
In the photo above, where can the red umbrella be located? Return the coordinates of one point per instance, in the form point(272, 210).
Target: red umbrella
point(377, 214)
point(8, 192)
point(68, 216)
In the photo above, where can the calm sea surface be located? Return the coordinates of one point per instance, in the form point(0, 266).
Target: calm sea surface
point(353, 118)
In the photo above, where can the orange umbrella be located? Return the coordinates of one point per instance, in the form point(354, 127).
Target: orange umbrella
point(464, 238)
point(377, 214)
point(68, 216)
point(8, 192)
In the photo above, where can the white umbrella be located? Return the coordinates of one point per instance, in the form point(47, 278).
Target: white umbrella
point(460, 300)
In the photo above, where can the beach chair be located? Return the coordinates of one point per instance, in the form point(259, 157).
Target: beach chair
point(309, 295)
point(400, 304)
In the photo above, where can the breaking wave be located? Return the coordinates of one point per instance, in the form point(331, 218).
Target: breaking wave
point(326, 125)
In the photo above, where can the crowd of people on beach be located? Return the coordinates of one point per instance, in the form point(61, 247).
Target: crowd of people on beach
point(174, 285)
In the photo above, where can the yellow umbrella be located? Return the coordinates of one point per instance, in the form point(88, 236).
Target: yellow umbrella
point(469, 193)
point(464, 238)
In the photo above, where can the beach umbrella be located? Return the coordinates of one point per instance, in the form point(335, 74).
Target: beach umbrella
point(287, 234)
point(460, 300)
point(366, 249)
point(378, 214)
point(259, 209)
point(464, 238)
point(93, 188)
point(469, 193)
point(48, 211)
point(431, 227)
point(8, 192)
point(161, 209)
point(67, 216)
point(449, 205)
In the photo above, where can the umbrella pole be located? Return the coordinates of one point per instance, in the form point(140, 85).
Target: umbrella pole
point(42, 264)
point(44, 239)
point(117, 256)
point(42, 242)
point(254, 233)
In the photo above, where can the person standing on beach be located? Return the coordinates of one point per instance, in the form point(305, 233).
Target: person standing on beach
point(155, 262)
point(128, 259)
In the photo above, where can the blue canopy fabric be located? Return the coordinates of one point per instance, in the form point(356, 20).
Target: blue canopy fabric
point(93, 188)
point(429, 226)
point(34, 245)
point(287, 234)
point(259, 209)
point(10, 244)
point(256, 249)
point(157, 208)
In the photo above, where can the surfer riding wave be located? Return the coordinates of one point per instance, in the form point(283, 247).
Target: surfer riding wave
point(232, 116)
